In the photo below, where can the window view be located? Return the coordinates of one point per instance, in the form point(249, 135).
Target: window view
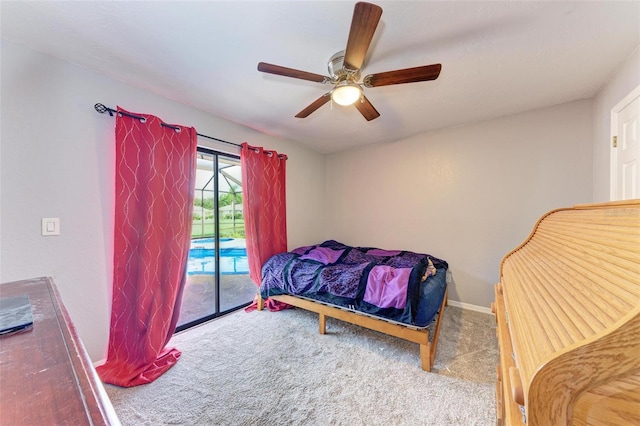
point(217, 279)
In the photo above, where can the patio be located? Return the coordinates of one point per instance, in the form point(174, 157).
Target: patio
point(199, 296)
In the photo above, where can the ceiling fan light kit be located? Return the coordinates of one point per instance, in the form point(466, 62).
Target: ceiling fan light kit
point(344, 68)
point(346, 93)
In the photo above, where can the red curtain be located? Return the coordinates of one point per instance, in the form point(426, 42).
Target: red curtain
point(155, 178)
point(264, 204)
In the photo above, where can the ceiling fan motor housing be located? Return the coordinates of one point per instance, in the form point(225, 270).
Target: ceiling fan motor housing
point(338, 72)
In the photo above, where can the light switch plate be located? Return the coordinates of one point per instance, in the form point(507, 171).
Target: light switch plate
point(50, 226)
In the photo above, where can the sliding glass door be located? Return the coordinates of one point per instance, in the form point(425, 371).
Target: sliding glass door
point(217, 278)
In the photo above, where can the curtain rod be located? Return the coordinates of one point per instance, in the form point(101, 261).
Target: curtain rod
point(102, 109)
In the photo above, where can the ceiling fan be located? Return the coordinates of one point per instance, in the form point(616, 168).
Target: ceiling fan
point(345, 66)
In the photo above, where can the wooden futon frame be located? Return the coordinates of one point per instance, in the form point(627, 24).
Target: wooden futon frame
point(412, 334)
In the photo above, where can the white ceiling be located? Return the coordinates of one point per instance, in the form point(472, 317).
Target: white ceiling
point(498, 58)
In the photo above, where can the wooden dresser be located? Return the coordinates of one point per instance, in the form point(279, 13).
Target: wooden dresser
point(46, 376)
point(568, 313)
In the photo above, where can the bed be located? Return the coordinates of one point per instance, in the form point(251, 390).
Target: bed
point(400, 293)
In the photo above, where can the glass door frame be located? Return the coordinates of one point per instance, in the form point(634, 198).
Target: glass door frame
point(217, 279)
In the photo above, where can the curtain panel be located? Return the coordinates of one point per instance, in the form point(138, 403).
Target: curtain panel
point(264, 204)
point(155, 178)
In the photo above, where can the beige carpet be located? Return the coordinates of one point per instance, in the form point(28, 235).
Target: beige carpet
point(273, 368)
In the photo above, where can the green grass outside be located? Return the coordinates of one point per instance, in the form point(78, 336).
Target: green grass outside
point(226, 229)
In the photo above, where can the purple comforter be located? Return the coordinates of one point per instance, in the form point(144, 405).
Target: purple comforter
point(386, 283)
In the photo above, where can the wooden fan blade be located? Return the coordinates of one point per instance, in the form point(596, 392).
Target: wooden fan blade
point(290, 72)
point(363, 25)
point(366, 109)
point(407, 75)
point(314, 106)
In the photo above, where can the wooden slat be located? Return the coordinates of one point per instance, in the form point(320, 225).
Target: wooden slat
point(619, 234)
point(568, 296)
point(576, 274)
point(570, 330)
point(617, 289)
point(594, 259)
point(606, 249)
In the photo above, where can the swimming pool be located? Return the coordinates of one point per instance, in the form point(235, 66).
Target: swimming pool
point(233, 256)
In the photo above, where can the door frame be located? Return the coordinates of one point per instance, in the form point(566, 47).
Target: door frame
point(615, 111)
point(217, 279)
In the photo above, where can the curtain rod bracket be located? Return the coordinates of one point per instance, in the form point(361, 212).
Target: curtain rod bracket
point(102, 109)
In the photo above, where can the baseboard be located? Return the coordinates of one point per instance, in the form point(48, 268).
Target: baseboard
point(470, 307)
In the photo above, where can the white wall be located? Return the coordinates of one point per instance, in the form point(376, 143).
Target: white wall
point(468, 194)
point(57, 160)
point(621, 84)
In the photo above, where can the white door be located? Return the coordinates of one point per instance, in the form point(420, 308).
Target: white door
point(625, 150)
